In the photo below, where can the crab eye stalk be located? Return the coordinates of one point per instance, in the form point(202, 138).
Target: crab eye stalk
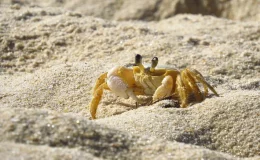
point(138, 62)
point(154, 64)
point(138, 59)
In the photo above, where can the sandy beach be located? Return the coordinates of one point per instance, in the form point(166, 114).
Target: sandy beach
point(51, 54)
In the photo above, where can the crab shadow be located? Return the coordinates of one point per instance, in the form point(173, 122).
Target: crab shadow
point(146, 101)
point(167, 102)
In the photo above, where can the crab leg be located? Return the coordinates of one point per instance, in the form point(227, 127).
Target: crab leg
point(180, 91)
point(199, 78)
point(97, 94)
point(101, 79)
point(195, 74)
point(190, 85)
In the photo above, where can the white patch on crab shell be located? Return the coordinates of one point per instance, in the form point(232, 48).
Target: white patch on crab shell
point(116, 84)
point(112, 72)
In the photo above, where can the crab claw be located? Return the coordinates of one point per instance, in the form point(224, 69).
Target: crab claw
point(163, 90)
point(120, 81)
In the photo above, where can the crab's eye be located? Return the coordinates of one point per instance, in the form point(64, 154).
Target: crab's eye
point(138, 59)
point(154, 62)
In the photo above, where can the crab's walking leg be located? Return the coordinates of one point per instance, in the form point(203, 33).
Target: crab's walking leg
point(101, 79)
point(195, 74)
point(181, 91)
point(191, 86)
point(97, 95)
point(164, 90)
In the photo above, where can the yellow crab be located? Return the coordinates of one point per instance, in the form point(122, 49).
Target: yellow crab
point(151, 81)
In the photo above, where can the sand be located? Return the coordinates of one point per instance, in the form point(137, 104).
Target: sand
point(51, 57)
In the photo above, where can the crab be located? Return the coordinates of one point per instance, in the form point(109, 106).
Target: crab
point(159, 83)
